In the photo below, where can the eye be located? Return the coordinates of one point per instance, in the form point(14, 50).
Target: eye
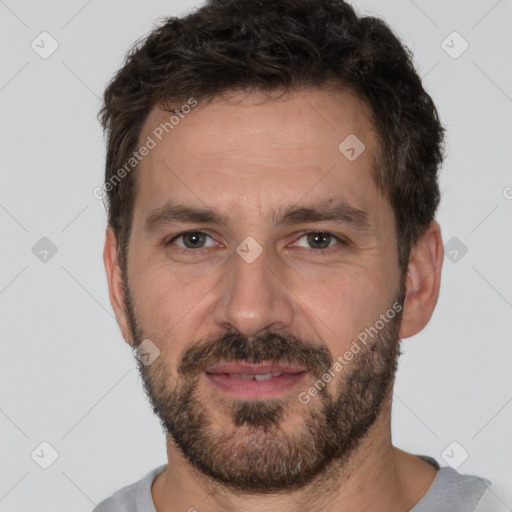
point(191, 240)
point(316, 240)
point(319, 240)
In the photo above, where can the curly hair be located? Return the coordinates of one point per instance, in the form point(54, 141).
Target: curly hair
point(242, 45)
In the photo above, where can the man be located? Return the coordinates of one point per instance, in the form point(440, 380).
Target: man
point(271, 180)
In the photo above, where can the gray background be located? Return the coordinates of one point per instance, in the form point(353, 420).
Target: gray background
point(68, 378)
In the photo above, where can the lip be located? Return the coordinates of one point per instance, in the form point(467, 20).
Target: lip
point(236, 387)
point(253, 369)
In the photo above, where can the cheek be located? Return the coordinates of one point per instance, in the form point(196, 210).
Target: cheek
point(168, 300)
point(342, 305)
point(162, 315)
point(158, 305)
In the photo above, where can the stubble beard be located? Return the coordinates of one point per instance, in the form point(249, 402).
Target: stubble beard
point(253, 453)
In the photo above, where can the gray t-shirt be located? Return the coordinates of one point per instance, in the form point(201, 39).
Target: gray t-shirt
point(449, 492)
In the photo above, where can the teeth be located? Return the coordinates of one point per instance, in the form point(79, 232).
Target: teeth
point(242, 376)
point(261, 376)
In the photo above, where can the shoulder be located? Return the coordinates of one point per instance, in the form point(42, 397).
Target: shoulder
point(135, 497)
point(493, 500)
point(453, 491)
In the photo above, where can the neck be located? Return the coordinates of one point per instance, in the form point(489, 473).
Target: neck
point(376, 477)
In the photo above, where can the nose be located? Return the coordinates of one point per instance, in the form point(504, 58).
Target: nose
point(253, 298)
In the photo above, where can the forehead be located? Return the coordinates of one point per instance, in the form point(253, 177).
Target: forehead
point(247, 148)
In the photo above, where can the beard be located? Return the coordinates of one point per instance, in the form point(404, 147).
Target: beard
point(253, 453)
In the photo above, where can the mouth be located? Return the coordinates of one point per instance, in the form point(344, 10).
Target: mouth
point(259, 381)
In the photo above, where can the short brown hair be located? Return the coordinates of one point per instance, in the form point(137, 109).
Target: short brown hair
point(238, 45)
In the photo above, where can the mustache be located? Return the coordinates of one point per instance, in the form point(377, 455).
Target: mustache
point(273, 348)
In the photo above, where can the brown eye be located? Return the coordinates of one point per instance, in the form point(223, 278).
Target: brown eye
point(319, 240)
point(191, 240)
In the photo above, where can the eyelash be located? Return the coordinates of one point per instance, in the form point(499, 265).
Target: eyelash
point(199, 250)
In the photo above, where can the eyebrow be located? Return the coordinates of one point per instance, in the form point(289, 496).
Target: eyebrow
point(338, 211)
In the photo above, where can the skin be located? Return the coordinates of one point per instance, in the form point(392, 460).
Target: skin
point(246, 158)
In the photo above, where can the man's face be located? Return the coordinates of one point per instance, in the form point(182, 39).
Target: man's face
point(291, 299)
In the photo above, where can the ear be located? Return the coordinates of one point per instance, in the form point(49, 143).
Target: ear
point(423, 281)
point(115, 282)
